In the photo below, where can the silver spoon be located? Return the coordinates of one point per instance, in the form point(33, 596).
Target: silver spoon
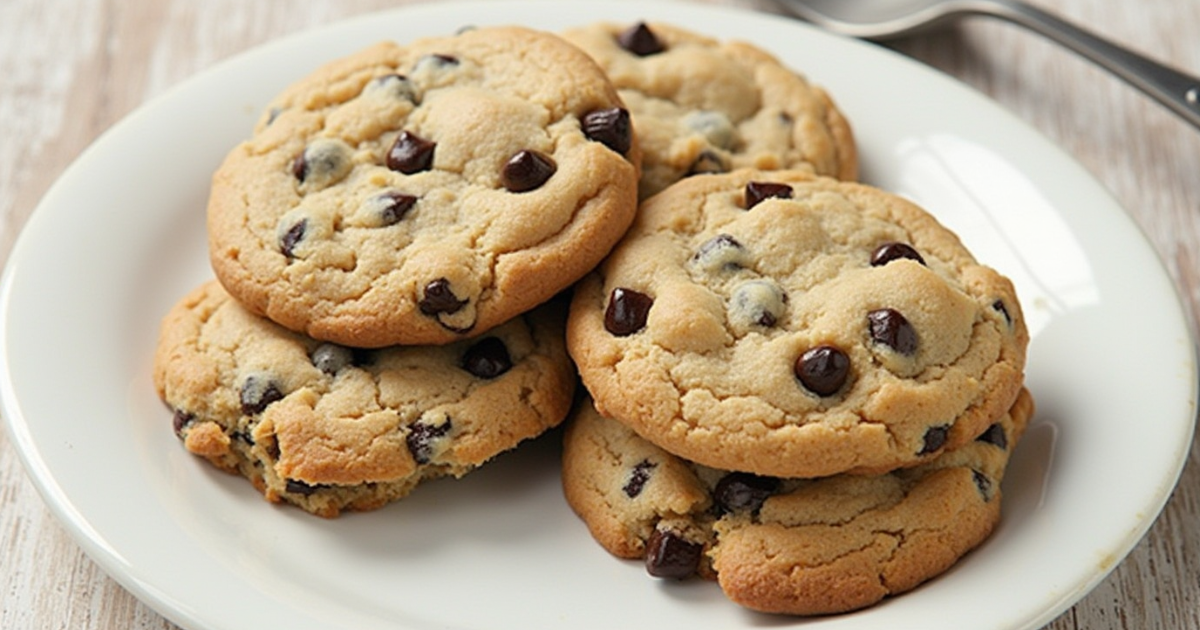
point(888, 19)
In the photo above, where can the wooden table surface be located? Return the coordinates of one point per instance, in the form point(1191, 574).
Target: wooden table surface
point(71, 68)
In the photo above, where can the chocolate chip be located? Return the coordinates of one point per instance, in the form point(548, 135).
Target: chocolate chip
point(181, 420)
point(395, 86)
point(721, 252)
point(257, 392)
point(888, 252)
point(668, 555)
point(758, 302)
point(640, 40)
point(487, 358)
point(245, 435)
point(273, 114)
point(410, 154)
point(995, 436)
point(420, 439)
point(741, 491)
point(526, 171)
point(935, 439)
point(292, 237)
point(437, 61)
point(1003, 310)
point(892, 329)
point(627, 311)
point(295, 486)
point(393, 205)
point(984, 483)
point(330, 358)
point(323, 162)
point(823, 370)
point(438, 298)
point(707, 162)
point(610, 127)
point(638, 478)
point(716, 127)
point(756, 192)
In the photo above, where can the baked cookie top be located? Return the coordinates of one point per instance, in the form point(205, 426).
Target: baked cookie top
point(796, 326)
point(327, 427)
point(422, 193)
point(701, 105)
point(795, 546)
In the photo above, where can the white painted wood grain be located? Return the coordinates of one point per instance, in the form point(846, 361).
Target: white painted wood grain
point(71, 68)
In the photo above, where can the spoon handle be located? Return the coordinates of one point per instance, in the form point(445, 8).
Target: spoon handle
point(1177, 91)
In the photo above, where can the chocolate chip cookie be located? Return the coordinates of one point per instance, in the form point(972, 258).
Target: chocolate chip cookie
point(796, 326)
point(330, 428)
point(795, 546)
point(701, 105)
point(427, 192)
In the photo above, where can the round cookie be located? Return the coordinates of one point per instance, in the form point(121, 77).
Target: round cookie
point(330, 428)
point(794, 546)
point(424, 193)
point(701, 105)
point(796, 326)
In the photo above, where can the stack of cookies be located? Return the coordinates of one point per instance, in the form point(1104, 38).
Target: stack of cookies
point(802, 387)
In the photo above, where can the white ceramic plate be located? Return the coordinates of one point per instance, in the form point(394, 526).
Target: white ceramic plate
point(120, 238)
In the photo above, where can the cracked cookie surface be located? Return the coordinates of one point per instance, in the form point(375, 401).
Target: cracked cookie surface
point(426, 192)
point(794, 546)
point(330, 428)
point(796, 326)
point(703, 105)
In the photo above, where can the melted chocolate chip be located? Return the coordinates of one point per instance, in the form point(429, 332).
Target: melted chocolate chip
point(935, 439)
point(410, 154)
point(995, 436)
point(330, 358)
point(707, 162)
point(526, 171)
point(888, 252)
point(295, 486)
point(740, 491)
point(823, 370)
point(627, 311)
point(180, 420)
point(420, 439)
point(640, 40)
point(487, 358)
point(611, 127)
point(438, 298)
point(668, 555)
point(984, 483)
point(258, 392)
point(393, 205)
point(756, 192)
point(638, 478)
point(892, 329)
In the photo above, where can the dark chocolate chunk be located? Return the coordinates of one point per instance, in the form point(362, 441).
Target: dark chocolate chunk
point(888, 252)
point(627, 311)
point(438, 298)
point(420, 439)
point(410, 154)
point(611, 127)
point(739, 491)
point(295, 486)
point(984, 483)
point(707, 162)
point(330, 358)
point(181, 420)
point(257, 392)
point(638, 478)
point(892, 329)
point(668, 555)
point(756, 192)
point(393, 205)
point(995, 436)
point(935, 439)
point(640, 40)
point(487, 358)
point(526, 171)
point(823, 370)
